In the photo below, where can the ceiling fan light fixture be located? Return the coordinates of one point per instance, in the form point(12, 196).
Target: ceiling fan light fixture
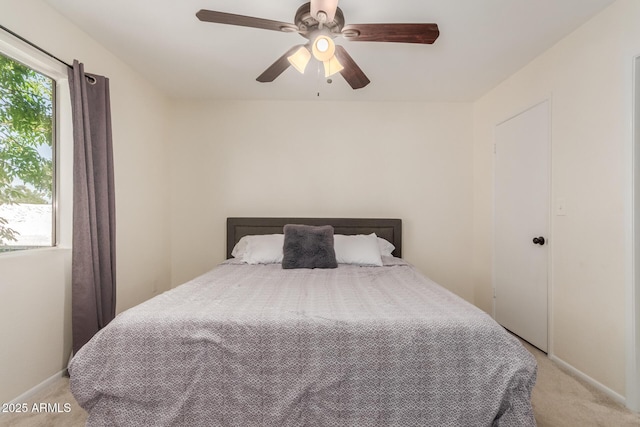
point(323, 48)
point(322, 44)
point(332, 66)
point(300, 59)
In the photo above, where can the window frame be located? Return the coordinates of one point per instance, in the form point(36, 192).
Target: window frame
point(62, 144)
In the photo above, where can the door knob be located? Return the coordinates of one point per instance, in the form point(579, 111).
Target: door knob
point(538, 240)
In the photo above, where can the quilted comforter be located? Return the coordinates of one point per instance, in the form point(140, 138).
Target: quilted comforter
point(261, 346)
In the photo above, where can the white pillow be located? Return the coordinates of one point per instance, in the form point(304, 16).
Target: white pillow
point(360, 249)
point(261, 249)
point(241, 247)
point(385, 247)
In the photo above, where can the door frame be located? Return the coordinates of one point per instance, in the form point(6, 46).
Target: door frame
point(520, 111)
point(632, 293)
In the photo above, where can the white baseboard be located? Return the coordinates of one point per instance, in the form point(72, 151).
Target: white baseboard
point(26, 396)
point(603, 388)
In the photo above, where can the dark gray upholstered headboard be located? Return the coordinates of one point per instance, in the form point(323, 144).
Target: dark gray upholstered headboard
point(389, 229)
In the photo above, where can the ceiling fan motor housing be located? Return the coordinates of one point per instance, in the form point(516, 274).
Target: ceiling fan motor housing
point(308, 24)
point(324, 10)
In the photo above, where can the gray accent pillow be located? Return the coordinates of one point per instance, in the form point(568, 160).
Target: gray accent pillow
point(307, 246)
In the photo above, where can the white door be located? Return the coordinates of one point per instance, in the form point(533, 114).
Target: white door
point(521, 224)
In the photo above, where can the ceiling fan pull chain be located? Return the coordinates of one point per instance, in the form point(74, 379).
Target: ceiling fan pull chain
point(318, 79)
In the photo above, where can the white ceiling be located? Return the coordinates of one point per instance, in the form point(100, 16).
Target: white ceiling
point(481, 43)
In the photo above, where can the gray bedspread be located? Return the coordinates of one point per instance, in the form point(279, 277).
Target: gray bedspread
point(262, 346)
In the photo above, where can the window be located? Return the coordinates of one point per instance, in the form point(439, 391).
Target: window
point(26, 157)
point(32, 101)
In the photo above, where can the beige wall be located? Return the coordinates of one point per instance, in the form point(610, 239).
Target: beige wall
point(406, 160)
point(587, 76)
point(35, 338)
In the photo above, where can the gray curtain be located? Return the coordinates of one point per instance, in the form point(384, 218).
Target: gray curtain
point(93, 271)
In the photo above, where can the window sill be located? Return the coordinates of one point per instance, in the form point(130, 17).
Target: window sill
point(34, 252)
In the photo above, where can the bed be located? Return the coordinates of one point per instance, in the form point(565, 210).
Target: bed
point(262, 345)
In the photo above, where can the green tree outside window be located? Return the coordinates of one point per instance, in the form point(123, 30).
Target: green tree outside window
point(26, 139)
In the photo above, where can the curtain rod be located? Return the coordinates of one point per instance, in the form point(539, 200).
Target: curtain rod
point(34, 46)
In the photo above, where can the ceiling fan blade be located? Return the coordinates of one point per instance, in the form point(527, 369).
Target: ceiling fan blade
point(397, 33)
point(244, 21)
point(351, 72)
point(278, 67)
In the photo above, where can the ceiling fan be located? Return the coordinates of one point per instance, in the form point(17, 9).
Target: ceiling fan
point(321, 21)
